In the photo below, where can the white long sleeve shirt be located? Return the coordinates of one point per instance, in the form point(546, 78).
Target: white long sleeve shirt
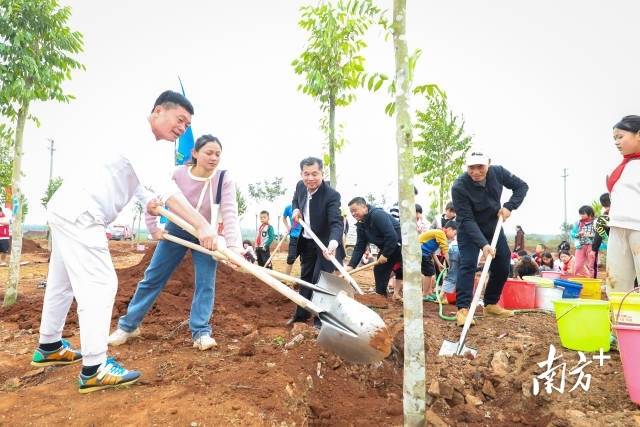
point(109, 182)
point(625, 198)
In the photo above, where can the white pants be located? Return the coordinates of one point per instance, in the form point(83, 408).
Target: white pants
point(623, 259)
point(80, 267)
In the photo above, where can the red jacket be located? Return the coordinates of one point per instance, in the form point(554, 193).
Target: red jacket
point(4, 228)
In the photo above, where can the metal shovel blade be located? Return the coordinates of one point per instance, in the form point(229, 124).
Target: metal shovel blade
point(451, 348)
point(353, 331)
point(334, 285)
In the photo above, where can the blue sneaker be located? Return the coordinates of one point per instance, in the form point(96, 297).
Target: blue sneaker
point(110, 374)
point(65, 355)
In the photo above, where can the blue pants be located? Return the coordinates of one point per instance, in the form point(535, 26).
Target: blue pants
point(165, 260)
point(498, 272)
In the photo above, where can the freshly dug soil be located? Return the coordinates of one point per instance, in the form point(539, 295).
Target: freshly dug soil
point(264, 373)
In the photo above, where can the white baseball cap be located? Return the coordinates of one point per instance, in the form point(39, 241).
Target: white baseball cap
point(476, 157)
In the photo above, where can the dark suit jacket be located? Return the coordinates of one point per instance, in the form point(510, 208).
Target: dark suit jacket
point(324, 209)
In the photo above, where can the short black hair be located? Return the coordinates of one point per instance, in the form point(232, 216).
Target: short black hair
point(522, 252)
point(247, 242)
point(264, 213)
point(357, 201)
point(418, 208)
point(449, 207)
point(629, 124)
point(451, 224)
point(564, 253)
point(605, 200)
point(169, 97)
point(586, 210)
point(310, 161)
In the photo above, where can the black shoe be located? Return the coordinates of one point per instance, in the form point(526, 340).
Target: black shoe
point(317, 323)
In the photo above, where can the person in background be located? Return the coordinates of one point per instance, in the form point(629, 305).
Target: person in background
point(519, 241)
point(430, 242)
point(537, 255)
point(526, 267)
point(5, 220)
point(557, 264)
point(623, 256)
point(447, 294)
point(248, 253)
point(568, 266)
point(547, 263)
point(583, 233)
point(602, 231)
point(448, 215)
point(421, 225)
point(293, 230)
point(375, 226)
point(264, 239)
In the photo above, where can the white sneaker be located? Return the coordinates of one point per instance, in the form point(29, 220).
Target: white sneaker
point(204, 342)
point(120, 337)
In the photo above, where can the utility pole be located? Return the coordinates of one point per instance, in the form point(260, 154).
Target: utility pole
point(564, 177)
point(51, 150)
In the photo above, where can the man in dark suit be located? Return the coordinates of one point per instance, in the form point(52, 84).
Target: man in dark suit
point(319, 206)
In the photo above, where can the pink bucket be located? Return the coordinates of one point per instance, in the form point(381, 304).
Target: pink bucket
point(629, 347)
point(551, 274)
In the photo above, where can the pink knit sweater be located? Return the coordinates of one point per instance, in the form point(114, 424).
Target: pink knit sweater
point(191, 186)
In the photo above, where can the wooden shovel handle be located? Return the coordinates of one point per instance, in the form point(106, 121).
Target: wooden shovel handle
point(364, 267)
point(275, 251)
point(333, 259)
point(246, 265)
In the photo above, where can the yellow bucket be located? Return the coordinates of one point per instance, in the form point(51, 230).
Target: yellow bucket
point(583, 325)
point(591, 288)
point(630, 311)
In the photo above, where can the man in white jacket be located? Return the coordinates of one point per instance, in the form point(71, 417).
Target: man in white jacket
point(81, 265)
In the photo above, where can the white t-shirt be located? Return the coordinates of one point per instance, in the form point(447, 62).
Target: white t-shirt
point(104, 184)
point(625, 198)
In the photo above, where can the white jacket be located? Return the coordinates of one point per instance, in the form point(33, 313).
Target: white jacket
point(625, 198)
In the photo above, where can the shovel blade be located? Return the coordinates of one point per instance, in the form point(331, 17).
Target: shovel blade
point(332, 284)
point(353, 331)
point(450, 348)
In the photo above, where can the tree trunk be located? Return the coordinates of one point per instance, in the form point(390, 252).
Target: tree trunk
point(11, 294)
point(414, 389)
point(332, 141)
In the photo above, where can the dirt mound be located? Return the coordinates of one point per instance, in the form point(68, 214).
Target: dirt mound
point(32, 247)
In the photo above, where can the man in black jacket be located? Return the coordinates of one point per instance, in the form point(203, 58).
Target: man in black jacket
point(378, 227)
point(319, 206)
point(476, 198)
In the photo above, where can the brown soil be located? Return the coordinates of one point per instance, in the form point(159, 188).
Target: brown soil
point(259, 375)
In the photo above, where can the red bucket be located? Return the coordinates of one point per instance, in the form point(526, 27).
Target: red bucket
point(518, 295)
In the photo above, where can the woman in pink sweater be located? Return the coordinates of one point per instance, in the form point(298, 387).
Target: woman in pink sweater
point(213, 193)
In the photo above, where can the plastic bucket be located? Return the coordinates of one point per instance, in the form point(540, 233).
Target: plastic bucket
point(518, 294)
point(583, 324)
point(545, 297)
point(571, 289)
point(551, 274)
point(629, 347)
point(630, 311)
point(591, 288)
point(539, 281)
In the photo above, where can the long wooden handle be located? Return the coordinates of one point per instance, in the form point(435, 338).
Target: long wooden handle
point(480, 287)
point(275, 251)
point(364, 267)
point(220, 257)
point(255, 271)
point(333, 259)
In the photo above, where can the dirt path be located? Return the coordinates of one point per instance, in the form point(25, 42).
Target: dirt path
point(255, 378)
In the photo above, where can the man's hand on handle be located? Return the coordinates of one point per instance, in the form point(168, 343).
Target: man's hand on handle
point(488, 250)
point(382, 259)
point(505, 213)
point(348, 268)
point(331, 249)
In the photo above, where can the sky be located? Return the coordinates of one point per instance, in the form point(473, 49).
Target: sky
point(539, 84)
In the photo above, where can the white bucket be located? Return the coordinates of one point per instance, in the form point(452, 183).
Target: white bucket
point(546, 296)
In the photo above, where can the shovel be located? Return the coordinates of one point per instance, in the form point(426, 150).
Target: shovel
point(451, 348)
point(333, 259)
point(275, 251)
point(349, 328)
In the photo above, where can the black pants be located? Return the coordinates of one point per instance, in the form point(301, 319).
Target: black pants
point(263, 256)
point(293, 250)
point(382, 272)
point(498, 272)
point(312, 262)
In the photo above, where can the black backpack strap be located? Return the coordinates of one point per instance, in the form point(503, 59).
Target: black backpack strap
point(219, 193)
